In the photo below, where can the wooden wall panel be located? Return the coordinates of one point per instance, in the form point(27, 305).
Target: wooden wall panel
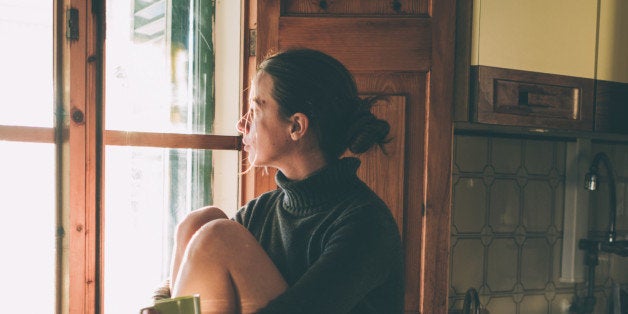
point(363, 44)
point(353, 7)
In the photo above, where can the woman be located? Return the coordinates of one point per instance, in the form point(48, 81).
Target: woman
point(323, 242)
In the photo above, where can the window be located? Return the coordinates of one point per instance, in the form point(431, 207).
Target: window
point(141, 139)
point(27, 156)
point(160, 79)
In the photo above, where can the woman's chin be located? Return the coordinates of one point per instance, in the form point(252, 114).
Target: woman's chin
point(252, 159)
point(256, 162)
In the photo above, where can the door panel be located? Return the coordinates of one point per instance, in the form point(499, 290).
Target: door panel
point(409, 58)
point(384, 170)
point(353, 7)
point(363, 44)
point(405, 92)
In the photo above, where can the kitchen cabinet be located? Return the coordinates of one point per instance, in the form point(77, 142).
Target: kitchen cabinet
point(612, 68)
point(542, 64)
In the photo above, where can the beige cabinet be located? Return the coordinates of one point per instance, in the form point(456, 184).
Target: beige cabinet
point(612, 67)
point(556, 36)
point(541, 63)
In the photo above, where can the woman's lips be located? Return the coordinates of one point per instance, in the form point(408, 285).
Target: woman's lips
point(246, 143)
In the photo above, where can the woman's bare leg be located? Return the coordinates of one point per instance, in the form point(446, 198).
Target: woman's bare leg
point(184, 232)
point(228, 268)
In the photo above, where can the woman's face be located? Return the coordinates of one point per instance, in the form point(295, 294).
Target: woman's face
point(266, 134)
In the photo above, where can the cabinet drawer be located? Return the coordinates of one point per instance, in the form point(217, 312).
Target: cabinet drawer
point(522, 98)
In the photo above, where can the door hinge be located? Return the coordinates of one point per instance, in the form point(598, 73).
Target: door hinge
point(252, 42)
point(72, 24)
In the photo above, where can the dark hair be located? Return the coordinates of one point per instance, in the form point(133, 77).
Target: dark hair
point(319, 86)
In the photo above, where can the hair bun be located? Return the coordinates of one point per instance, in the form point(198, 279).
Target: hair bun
point(366, 130)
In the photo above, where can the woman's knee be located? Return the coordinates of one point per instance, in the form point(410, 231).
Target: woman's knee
point(197, 219)
point(219, 235)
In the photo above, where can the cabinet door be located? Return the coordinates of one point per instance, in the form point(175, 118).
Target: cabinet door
point(402, 49)
point(529, 63)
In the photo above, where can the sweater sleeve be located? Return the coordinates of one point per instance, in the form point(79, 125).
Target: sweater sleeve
point(358, 256)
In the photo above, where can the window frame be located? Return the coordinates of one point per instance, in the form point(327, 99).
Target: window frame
point(80, 138)
point(86, 247)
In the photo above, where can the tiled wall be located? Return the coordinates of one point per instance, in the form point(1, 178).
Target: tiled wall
point(507, 225)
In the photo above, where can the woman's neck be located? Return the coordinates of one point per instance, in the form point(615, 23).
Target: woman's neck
point(302, 166)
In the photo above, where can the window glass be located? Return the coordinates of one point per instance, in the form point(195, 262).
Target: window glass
point(26, 63)
point(164, 75)
point(27, 170)
point(148, 191)
point(160, 67)
point(27, 229)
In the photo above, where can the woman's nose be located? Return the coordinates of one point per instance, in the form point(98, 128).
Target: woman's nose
point(243, 124)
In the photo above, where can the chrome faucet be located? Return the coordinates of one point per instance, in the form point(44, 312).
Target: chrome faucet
point(591, 183)
point(472, 303)
point(586, 304)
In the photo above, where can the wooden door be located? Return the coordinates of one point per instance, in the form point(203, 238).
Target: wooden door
point(404, 50)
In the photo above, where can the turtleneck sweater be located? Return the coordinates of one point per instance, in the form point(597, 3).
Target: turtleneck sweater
point(334, 241)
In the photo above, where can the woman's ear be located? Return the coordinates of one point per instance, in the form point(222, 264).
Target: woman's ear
point(300, 124)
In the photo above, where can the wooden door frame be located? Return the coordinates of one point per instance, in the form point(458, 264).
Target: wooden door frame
point(438, 166)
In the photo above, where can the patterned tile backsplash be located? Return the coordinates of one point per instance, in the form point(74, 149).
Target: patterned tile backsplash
point(507, 224)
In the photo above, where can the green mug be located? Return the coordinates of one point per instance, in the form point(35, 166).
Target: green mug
point(190, 304)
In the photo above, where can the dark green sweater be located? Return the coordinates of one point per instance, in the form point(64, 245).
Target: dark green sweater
point(334, 241)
